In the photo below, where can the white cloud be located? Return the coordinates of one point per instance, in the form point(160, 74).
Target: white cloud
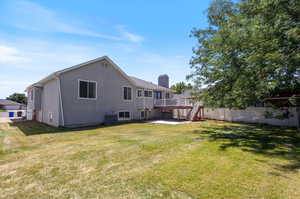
point(37, 55)
point(37, 58)
point(129, 35)
point(34, 17)
point(10, 55)
point(9, 87)
point(132, 37)
point(23, 63)
point(26, 59)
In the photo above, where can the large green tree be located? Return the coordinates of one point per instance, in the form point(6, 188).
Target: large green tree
point(180, 87)
point(18, 97)
point(250, 49)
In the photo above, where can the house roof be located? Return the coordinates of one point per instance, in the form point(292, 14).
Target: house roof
point(149, 85)
point(133, 80)
point(9, 102)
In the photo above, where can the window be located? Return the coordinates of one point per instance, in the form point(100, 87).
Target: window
point(148, 93)
point(158, 94)
point(87, 89)
point(127, 93)
point(167, 95)
point(142, 114)
point(139, 93)
point(124, 115)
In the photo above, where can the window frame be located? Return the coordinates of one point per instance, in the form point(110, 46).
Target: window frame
point(148, 90)
point(124, 119)
point(167, 96)
point(156, 95)
point(127, 100)
point(96, 89)
point(137, 91)
point(142, 117)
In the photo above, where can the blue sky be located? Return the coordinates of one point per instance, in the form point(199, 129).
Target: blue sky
point(145, 38)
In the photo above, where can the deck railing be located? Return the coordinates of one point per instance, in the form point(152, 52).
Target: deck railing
point(172, 102)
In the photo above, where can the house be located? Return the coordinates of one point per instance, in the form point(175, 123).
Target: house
point(11, 105)
point(11, 109)
point(86, 94)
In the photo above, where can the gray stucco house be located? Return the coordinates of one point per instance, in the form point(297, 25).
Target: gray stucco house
point(85, 94)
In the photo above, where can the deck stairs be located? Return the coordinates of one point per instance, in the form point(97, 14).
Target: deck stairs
point(192, 115)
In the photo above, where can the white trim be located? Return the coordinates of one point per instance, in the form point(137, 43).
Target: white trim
point(50, 117)
point(87, 98)
point(137, 91)
point(61, 104)
point(122, 95)
point(124, 119)
point(31, 94)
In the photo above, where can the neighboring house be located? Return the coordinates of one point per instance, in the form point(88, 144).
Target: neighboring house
point(11, 109)
point(86, 93)
point(11, 105)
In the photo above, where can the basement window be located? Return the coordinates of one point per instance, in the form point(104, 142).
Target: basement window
point(124, 115)
point(87, 89)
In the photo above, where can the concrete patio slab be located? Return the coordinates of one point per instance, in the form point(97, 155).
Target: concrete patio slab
point(173, 122)
point(5, 120)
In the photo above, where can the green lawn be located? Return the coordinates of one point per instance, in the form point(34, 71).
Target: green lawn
point(199, 160)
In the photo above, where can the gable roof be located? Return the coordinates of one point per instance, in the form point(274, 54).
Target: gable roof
point(58, 73)
point(148, 85)
point(9, 102)
point(134, 81)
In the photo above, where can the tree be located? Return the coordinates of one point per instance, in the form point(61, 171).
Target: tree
point(180, 87)
point(18, 97)
point(249, 49)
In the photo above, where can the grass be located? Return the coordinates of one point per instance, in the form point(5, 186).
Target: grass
point(1, 110)
point(199, 160)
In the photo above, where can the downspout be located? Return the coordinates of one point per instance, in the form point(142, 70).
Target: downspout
point(144, 104)
point(60, 100)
